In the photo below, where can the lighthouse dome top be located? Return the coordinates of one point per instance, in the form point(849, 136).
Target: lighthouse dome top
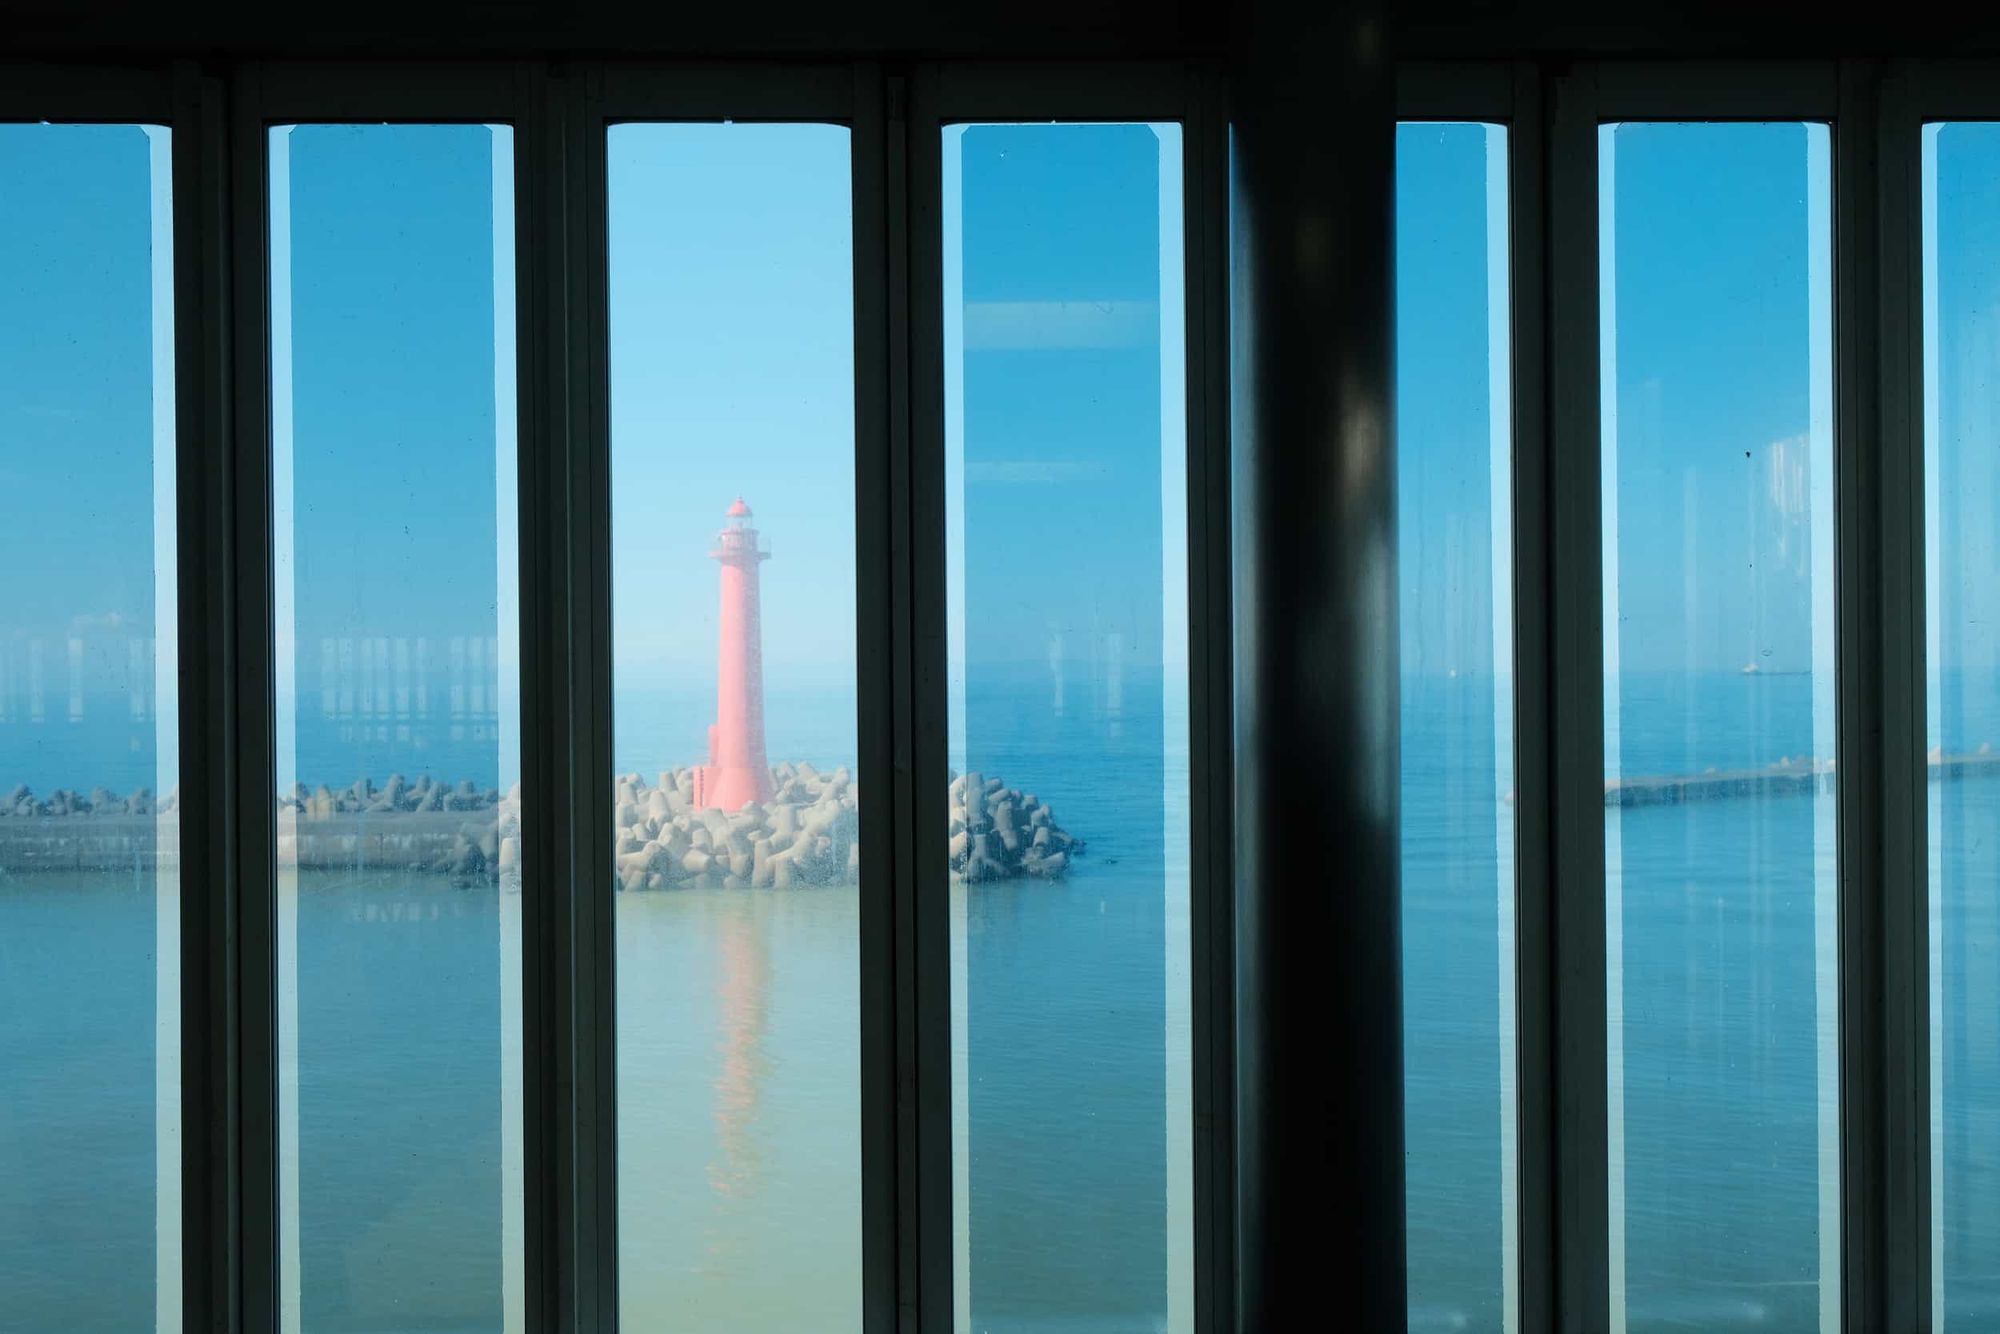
point(739, 510)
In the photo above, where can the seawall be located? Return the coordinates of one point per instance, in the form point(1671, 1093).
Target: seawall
point(1785, 778)
point(808, 834)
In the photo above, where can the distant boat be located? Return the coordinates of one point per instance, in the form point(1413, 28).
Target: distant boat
point(1751, 669)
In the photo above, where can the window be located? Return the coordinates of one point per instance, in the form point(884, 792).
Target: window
point(398, 708)
point(1455, 494)
point(1720, 880)
point(90, 1112)
point(854, 436)
point(737, 853)
point(1065, 458)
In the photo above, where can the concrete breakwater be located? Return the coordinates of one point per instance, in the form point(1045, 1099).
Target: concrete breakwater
point(462, 830)
point(1786, 778)
point(1789, 777)
point(67, 830)
point(807, 834)
point(470, 833)
point(998, 832)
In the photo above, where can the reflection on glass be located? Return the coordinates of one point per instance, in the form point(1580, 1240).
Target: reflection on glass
point(393, 445)
point(734, 707)
point(1067, 619)
point(1716, 332)
point(1454, 447)
point(89, 752)
point(1961, 278)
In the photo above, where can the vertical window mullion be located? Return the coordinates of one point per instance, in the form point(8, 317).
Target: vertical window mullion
point(1575, 712)
point(880, 117)
point(1534, 962)
point(565, 709)
point(1210, 906)
point(1873, 1257)
point(1910, 1273)
point(591, 986)
point(209, 1236)
point(543, 342)
point(253, 790)
point(565, 723)
point(923, 915)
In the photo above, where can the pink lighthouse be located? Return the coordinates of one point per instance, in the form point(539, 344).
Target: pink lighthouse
point(737, 773)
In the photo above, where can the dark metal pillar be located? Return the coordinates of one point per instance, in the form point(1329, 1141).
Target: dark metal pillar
point(1318, 917)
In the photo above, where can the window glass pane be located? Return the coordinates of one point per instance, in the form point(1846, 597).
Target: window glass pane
point(399, 922)
point(1716, 341)
point(1961, 282)
point(1065, 425)
point(734, 706)
point(1454, 448)
point(89, 757)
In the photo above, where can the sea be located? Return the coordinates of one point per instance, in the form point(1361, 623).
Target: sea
point(737, 1040)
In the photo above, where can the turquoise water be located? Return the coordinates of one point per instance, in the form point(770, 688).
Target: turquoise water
point(737, 1047)
point(77, 1107)
point(1721, 1093)
point(738, 1057)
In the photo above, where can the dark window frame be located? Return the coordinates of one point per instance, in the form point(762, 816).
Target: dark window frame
point(217, 115)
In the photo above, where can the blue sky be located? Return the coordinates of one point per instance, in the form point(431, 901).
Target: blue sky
point(86, 456)
point(1715, 293)
point(1716, 302)
point(731, 310)
point(393, 423)
point(1447, 180)
point(76, 230)
point(1063, 286)
point(391, 278)
point(732, 373)
point(1962, 370)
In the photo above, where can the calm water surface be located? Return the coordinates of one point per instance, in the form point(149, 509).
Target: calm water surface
point(738, 1053)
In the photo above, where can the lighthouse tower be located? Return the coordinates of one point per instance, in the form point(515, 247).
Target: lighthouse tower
point(737, 772)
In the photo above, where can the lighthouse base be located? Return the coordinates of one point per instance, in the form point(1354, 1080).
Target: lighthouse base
point(728, 787)
point(808, 833)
